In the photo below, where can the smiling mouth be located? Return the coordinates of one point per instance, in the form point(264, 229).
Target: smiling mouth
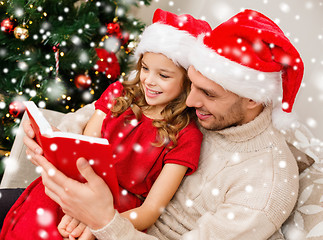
point(202, 116)
point(153, 92)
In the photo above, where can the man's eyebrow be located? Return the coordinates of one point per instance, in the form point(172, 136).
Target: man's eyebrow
point(209, 90)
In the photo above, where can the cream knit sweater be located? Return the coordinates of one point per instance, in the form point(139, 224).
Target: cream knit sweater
point(245, 188)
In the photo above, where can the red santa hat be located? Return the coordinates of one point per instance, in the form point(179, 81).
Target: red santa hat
point(171, 35)
point(249, 55)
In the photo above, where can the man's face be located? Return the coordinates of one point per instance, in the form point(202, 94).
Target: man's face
point(216, 108)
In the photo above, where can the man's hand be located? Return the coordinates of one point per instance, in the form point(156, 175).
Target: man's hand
point(91, 202)
point(32, 147)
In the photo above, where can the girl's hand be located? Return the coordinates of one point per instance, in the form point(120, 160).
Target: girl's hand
point(71, 228)
point(91, 202)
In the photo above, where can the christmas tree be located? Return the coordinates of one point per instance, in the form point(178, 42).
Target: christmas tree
point(61, 54)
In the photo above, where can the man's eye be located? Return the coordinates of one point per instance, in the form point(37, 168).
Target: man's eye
point(207, 94)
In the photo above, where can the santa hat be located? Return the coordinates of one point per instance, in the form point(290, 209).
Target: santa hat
point(249, 55)
point(171, 35)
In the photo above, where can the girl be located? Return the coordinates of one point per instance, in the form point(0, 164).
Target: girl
point(148, 122)
point(149, 127)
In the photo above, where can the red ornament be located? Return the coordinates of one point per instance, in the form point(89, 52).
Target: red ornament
point(108, 63)
point(7, 25)
point(16, 109)
point(123, 37)
point(55, 48)
point(113, 28)
point(83, 81)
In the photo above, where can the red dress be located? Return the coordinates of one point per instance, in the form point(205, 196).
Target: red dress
point(138, 165)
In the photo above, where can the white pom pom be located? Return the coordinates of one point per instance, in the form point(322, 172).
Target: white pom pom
point(283, 120)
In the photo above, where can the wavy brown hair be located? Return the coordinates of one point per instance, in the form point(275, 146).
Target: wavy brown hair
point(176, 115)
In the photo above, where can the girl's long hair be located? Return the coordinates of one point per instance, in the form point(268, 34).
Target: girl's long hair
point(176, 115)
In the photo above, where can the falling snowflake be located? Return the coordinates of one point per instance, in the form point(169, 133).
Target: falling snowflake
point(124, 192)
point(248, 188)
point(137, 147)
point(215, 191)
point(44, 217)
point(282, 164)
point(51, 172)
point(2, 105)
point(284, 7)
point(230, 215)
point(43, 234)
point(189, 203)
point(112, 44)
point(235, 158)
point(133, 215)
point(53, 147)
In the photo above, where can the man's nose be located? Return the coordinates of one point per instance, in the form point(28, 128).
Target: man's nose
point(193, 99)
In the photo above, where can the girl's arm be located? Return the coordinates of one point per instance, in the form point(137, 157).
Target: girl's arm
point(159, 196)
point(93, 127)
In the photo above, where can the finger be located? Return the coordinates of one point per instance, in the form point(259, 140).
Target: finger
point(66, 219)
point(53, 190)
point(30, 156)
point(86, 235)
point(88, 173)
point(70, 237)
point(73, 225)
point(44, 163)
point(55, 175)
point(32, 145)
point(28, 129)
point(53, 196)
point(63, 233)
point(78, 230)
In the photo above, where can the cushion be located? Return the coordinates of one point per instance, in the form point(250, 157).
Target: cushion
point(306, 221)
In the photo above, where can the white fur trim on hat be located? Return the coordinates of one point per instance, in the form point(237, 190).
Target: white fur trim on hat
point(283, 120)
point(262, 87)
point(165, 39)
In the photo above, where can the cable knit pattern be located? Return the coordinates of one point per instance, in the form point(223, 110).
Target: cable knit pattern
point(245, 188)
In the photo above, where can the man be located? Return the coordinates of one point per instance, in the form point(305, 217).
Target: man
point(247, 181)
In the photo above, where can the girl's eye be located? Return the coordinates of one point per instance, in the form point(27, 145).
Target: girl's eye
point(164, 76)
point(144, 68)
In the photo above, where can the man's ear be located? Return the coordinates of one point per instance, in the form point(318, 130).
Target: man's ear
point(251, 104)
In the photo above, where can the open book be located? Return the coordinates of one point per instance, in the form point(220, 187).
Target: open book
point(62, 149)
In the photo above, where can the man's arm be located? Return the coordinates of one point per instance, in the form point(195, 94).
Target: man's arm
point(230, 222)
point(120, 228)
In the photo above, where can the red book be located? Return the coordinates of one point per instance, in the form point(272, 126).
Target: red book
point(62, 149)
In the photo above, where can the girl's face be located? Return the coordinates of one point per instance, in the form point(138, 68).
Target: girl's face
point(161, 80)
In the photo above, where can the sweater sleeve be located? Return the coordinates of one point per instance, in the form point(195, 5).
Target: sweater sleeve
point(231, 222)
point(120, 229)
point(104, 103)
point(187, 151)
